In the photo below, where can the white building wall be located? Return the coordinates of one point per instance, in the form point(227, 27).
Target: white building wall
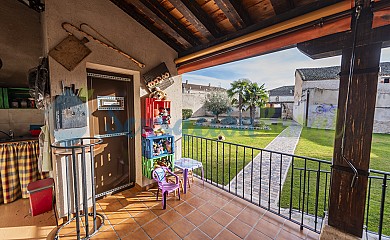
point(323, 101)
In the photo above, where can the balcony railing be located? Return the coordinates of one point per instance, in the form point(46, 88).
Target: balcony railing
point(293, 187)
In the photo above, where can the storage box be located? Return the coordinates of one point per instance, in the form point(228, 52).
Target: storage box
point(41, 196)
point(158, 146)
point(148, 164)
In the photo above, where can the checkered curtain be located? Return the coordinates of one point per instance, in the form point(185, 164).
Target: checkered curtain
point(18, 167)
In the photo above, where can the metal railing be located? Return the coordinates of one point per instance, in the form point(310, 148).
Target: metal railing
point(293, 187)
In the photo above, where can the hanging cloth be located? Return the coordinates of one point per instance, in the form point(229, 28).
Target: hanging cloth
point(44, 159)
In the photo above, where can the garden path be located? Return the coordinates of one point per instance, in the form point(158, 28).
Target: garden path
point(266, 167)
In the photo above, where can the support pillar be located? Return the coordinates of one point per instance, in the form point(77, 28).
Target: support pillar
point(347, 204)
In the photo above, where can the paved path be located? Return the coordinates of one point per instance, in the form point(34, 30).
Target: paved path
point(267, 166)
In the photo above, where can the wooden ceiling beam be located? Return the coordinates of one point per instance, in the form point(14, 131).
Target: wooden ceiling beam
point(239, 8)
point(294, 18)
point(127, 8)
point(168, 29)
point(192, 11)
point(282, 6)
point(332, 45)
point(170, 20)
point(231, 13)
point(266, 46)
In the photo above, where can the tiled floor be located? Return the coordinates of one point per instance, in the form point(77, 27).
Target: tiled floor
point(205, 212)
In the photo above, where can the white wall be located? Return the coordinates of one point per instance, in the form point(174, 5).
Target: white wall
point(128, 35)
point(325, 94)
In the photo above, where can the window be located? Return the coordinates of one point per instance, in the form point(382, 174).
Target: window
point(386, 80)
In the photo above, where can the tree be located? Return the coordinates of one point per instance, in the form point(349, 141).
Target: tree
point(237, 94)
point(217, 103)
point(255, 96)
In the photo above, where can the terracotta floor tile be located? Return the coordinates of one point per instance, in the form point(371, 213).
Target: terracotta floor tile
point(155, 227)
point(226, 235)
point(284, 235)
point(256, 235)
point(249, 216)
point(232, 209)
point(294, 228)
point(174, 201)
point(196, 217)
point(117, 217)
point(135, 208)
point(208, 209)
point(268, 228)
point(167, 234)
point(196, 202)
point(158, 209)
point(126, 227)
point(144, 217)
point(184, 209)
point(211, 228)
point(109, 234)
point(137, 235)
point(171, 217)
point(183, 227)
point(219, 202)
point(239, 228)
point(222, 218)
point(197, 235)
point(274, 219)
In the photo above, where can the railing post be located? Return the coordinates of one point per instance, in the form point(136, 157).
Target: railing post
point(384, 186)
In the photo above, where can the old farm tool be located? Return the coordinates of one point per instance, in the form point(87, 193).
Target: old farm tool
point(105, 43)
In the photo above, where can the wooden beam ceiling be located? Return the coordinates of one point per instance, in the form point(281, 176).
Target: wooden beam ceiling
point(165, 16)
point(282, 6)
point(231, 13)
point(197, 17)
point(266, 46)
point(148, 25)
point(332, 45)
point(166, 27)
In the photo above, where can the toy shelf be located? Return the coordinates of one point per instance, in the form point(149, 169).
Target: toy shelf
point(148, 164)
point(157, 150)
point(157, 146)
point(157, 112)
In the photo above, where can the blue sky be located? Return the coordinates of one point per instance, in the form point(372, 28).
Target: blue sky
point(274, 69)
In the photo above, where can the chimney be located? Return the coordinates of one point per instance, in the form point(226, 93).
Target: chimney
point(186, 82)
point(209, 84)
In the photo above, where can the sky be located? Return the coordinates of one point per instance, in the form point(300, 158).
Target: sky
point(274, 69)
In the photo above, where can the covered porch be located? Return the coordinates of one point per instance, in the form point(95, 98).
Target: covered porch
point(204, 212)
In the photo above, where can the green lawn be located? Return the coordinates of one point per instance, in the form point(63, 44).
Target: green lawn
point(219, 158)
point(317, 143)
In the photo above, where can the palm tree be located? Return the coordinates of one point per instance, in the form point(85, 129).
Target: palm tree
point(237, 94)
point(255, 96)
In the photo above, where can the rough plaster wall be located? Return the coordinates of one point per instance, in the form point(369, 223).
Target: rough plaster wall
point(299, 106)
point(19, 120)
point(124, 32)
point(195, 102)
point(325, 94)
point(281, 99)
point(20, 42)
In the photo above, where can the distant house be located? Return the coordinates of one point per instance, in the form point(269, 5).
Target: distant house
point(282, 100)
point(316, 97)
point(194, 96)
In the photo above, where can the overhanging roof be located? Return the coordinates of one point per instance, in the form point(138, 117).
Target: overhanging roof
point(211, 32)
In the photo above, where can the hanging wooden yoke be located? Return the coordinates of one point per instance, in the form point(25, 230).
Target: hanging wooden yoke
point(105, 43)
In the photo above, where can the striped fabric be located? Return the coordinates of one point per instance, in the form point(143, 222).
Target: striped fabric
point(18, 167)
